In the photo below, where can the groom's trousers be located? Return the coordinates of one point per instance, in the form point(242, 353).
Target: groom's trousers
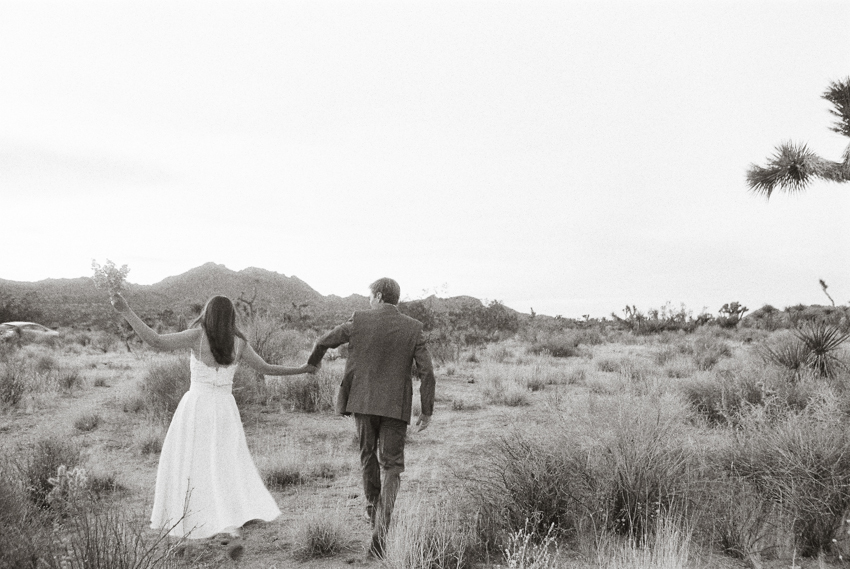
point(381, 462)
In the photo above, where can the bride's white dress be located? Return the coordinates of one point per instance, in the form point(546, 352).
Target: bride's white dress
point(206, 482)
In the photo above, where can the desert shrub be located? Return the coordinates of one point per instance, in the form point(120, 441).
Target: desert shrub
point(589, 337)
point(134, 403)
point(312, 393)
point(562, 345)
point(823, 341)
point(149, 436)
point(263, 332)
point(68, 379)
point(803, 464)
point(87, 422)
point(104, 341)
point(679, 369)
point(665, 355)
point(748, 526)
point(320, 535)
point(462, 404)
point(657, 321)
point(497, 352)
point(633, 371)
point(45, 363)
point(720, 398)
point(24, 535)
point(13, 384)
point(280, 476)
point(43, 462)
point(105, 536)
point(164, 384)
point(497, 390)
point(708, 351)
point(104, 483)
point(765, 318)
point(429, 536)
point(575, 376)
point(525, 479)
point(608, 364)
point(787, 353)
point(150, 445)
point(249, 388)
point(649, 473)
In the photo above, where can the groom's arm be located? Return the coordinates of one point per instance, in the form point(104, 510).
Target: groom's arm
point(336, 337)
point(425, 371)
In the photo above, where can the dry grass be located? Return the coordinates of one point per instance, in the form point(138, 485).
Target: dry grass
point(622, 449)
point(425, 534)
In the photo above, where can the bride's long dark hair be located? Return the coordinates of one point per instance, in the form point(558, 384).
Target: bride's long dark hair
point(218, 321)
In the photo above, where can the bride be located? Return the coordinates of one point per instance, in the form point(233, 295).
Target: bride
point(206, 482)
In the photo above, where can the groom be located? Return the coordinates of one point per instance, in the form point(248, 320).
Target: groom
point(376, 387)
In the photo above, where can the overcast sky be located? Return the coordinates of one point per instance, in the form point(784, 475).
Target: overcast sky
point(571, 157)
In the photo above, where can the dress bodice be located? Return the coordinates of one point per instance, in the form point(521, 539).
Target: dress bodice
point(201, 373)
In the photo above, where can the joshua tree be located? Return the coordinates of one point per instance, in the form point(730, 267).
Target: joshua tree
point(793, 166)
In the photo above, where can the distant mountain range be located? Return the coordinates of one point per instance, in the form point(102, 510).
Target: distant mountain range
point(65, 302)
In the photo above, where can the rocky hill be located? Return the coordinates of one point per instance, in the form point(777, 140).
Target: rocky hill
point(76, 302)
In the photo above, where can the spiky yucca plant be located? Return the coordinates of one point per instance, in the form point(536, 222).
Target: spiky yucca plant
point(794, 166)
point(822, 340)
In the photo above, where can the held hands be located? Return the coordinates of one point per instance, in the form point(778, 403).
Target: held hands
point(311, 369)
point(119, 303)
point(422, 422)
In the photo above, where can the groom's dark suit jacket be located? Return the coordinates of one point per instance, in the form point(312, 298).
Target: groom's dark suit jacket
point(383, 344)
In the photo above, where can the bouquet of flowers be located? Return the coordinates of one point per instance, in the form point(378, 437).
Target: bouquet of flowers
point(109, 277)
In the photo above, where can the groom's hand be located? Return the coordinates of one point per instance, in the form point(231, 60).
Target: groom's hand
point(422, 422)
point(311, 368)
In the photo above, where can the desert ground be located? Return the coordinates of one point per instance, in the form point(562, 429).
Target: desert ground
point(580, 445)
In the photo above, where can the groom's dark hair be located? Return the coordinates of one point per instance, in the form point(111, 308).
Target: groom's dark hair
point(389, 289)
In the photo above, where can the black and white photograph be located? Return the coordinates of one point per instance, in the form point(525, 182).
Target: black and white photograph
point(415, 284)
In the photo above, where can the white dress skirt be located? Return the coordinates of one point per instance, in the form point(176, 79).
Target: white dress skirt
point(206, 482)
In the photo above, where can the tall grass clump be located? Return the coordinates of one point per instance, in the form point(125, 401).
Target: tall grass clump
point(667, 546)
point(708, 351)
point(650, 472)
point(803, 464)
point(165, 382)
point(68, 379)
point(720, 398)
point(746, 525)
point(320, 535)
point(87, 422)
point(501, 386)
point(429, 536)
point(529, 483)
point(24, 533)
point(13, 384)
